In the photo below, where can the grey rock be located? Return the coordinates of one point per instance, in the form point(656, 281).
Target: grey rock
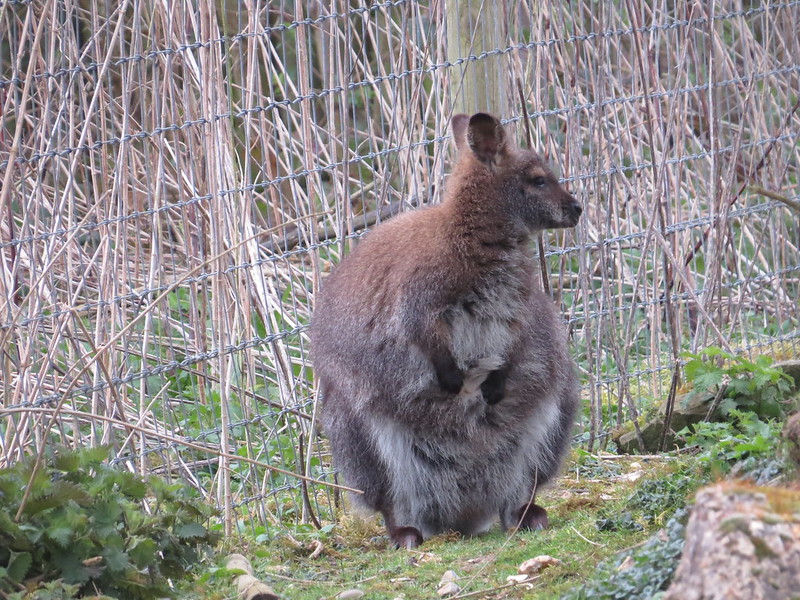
point(350, 594)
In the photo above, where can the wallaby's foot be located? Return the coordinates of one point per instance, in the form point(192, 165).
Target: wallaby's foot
point(405, 537)
point(532, 517)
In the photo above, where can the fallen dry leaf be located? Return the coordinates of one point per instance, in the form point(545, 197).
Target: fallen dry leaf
point(317, 548)
point(536, 564)
point(625, 564)
point(417, 558)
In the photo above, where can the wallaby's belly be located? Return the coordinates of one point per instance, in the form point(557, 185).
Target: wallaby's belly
point(465, 480)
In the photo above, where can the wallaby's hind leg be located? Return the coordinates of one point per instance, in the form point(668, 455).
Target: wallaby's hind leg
point(358, 461)
point(531, 516)
point(354, 451)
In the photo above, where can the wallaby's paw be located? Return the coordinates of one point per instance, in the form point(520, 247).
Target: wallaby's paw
point(489, 363)
point(406, 537)
point(476, 376)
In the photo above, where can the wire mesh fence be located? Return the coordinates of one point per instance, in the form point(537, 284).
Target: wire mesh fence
point(178, 178)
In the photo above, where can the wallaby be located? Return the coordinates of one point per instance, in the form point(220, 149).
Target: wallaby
point(447, 391)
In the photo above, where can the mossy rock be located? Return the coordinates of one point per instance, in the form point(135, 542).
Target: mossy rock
point(791, 434)
point(742, 542)
point(689, 408)
point(791, 368)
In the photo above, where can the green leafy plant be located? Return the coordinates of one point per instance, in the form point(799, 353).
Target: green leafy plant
point(622, 521)
point(743, 384)
point(659, 498)
point(746, 443)
point(54, 590)
point(590, 466)
point(96, 529)
point(641, 573)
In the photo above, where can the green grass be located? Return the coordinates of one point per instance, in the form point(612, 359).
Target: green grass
point(596, 510)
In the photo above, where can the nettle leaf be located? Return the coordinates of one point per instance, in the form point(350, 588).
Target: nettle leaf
point(692, 368)
point(41, 504)
point(762, 428)
point(19, 564)
point(771, 409)
point(66, 490)
point(60, 534)
point(106, 517)
point(142, 551)
point(157, 485)
point(739, 386)
point(11, 487)
point(132, 485)
point(103, 483)
point(140, 522)
point(190, 530)
point(762, 379)
point(764, 360)
point(39, 480)
point(708, 379)
point(71, 567)
point(713, 351)
point(192, 511)
point(94, 456)
point(770, 394)
point(75, 517)
point(727, 406)
point(66, 460)
point(9, 528)
point(116, 560)
point(32, 532)
point(84, 522)
point(58, 494)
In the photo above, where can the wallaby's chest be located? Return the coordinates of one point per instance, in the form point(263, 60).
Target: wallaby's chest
point(485, 321)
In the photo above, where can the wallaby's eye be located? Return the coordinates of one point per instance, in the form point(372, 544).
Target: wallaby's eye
point(537, 181)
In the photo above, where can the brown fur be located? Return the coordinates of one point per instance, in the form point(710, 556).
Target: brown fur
point(448, 394)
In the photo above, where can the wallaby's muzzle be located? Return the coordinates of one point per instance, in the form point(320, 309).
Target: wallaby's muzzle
point(572, 210)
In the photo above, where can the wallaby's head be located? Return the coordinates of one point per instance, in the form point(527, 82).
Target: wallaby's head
point(493, 166)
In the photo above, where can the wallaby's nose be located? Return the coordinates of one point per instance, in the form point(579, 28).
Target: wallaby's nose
point(573, 209)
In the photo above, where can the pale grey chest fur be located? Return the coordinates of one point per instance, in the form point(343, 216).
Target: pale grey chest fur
point(484, 321)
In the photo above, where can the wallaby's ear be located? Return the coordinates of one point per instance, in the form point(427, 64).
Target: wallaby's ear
point(486, 138)
point(460, 123)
